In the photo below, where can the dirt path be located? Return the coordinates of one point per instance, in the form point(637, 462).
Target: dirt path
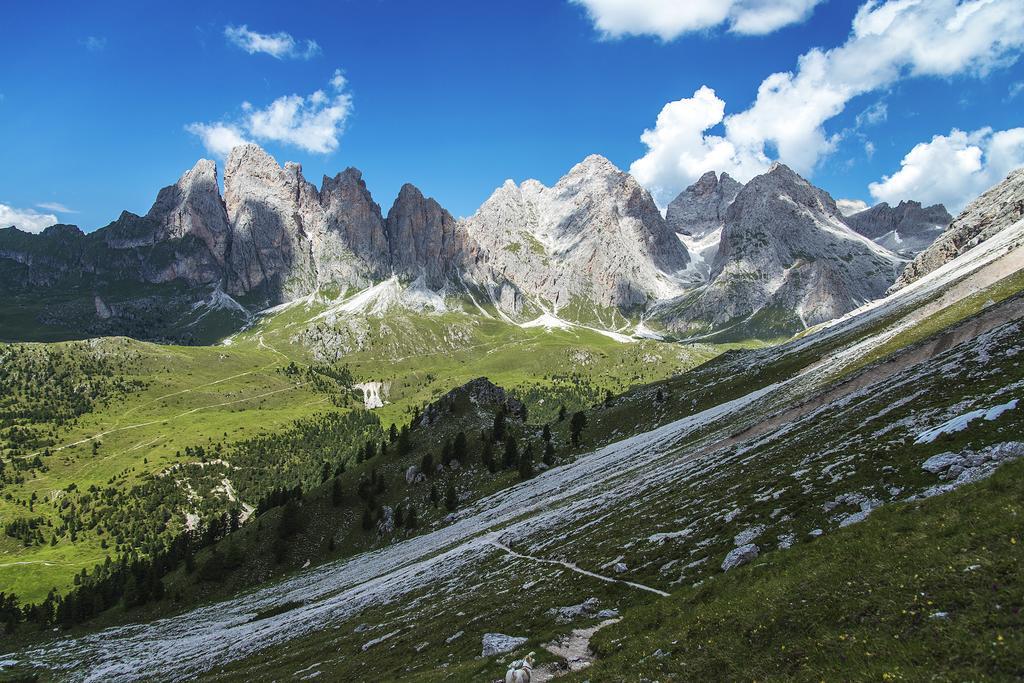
point(573, 649)
point(572, 567)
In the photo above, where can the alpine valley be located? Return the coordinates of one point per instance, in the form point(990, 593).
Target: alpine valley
point(268, 431)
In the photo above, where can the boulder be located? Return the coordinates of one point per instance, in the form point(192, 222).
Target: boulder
point(499, 644)
point(740, 556)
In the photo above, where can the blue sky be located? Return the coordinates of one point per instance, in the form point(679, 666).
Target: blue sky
point(96, 98)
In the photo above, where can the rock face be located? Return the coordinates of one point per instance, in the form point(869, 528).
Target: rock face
point(596, 236)
point(767, 258)
point(700, 208)
point(907, 229)
point(351, 232)
point(193, 206)
point(290, 239)
point(424, 240)
point(271, 210)
point(992, 212)
point(786, 260)
point(477, 393)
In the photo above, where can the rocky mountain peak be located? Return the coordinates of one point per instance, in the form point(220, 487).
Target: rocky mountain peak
point(782, 180)
point(193, 206)
point(786, 259)
point(907, 228)
point(595, 235)
point(700, 209)
point(424, 239)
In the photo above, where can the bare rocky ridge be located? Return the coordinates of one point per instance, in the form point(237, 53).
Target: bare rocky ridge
point(992, 212)
point(787, 257)
point(700, 209)
point(768, 258)
point(595, 237)
point(907, 229)
point(193, 206)
point(697, 216)
point(425, 241)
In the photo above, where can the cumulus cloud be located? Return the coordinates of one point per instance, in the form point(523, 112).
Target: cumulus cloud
point(668, 19)
point(313, 123)
point(25, 219)
point(279, 45)
point(953, 169)
point(848, 207)
point(889, 41)
point(218, 138)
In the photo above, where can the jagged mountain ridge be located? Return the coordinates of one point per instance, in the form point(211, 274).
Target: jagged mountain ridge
point(786, 260)
point(594, 241)
point(596, 235)
point(907, 229)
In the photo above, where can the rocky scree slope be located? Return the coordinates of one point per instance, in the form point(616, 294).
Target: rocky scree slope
point(992, 212)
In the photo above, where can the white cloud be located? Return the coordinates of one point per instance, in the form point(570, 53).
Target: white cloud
point(953, 169)
point(279, 45)
point(55, 206)
point(218, 138)
point(889, 41)
point(872, 116)
point(25, 219)
point(848, 207)
point(1015, 89)
point(313, 123)
point(668, 19)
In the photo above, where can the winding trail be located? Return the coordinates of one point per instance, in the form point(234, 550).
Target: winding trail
point(578, 570)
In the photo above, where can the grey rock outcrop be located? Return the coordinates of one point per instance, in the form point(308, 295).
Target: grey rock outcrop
point(907, 229)
point(595, 236)
point(499, 644)
point(351, 245)
point(738, 557)
point(192, 206)
point(700, 208)
point(270, 209)
point(424, 239)
point(989, 214)
point(969, 466)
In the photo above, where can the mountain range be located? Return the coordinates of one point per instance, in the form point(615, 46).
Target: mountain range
point(763, 259)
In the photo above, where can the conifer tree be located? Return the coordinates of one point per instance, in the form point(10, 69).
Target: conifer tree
point(526, 463)
point(549, 454)
point(511, 458)
point(579, 421)
point(459, 448)
point(336, 492)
